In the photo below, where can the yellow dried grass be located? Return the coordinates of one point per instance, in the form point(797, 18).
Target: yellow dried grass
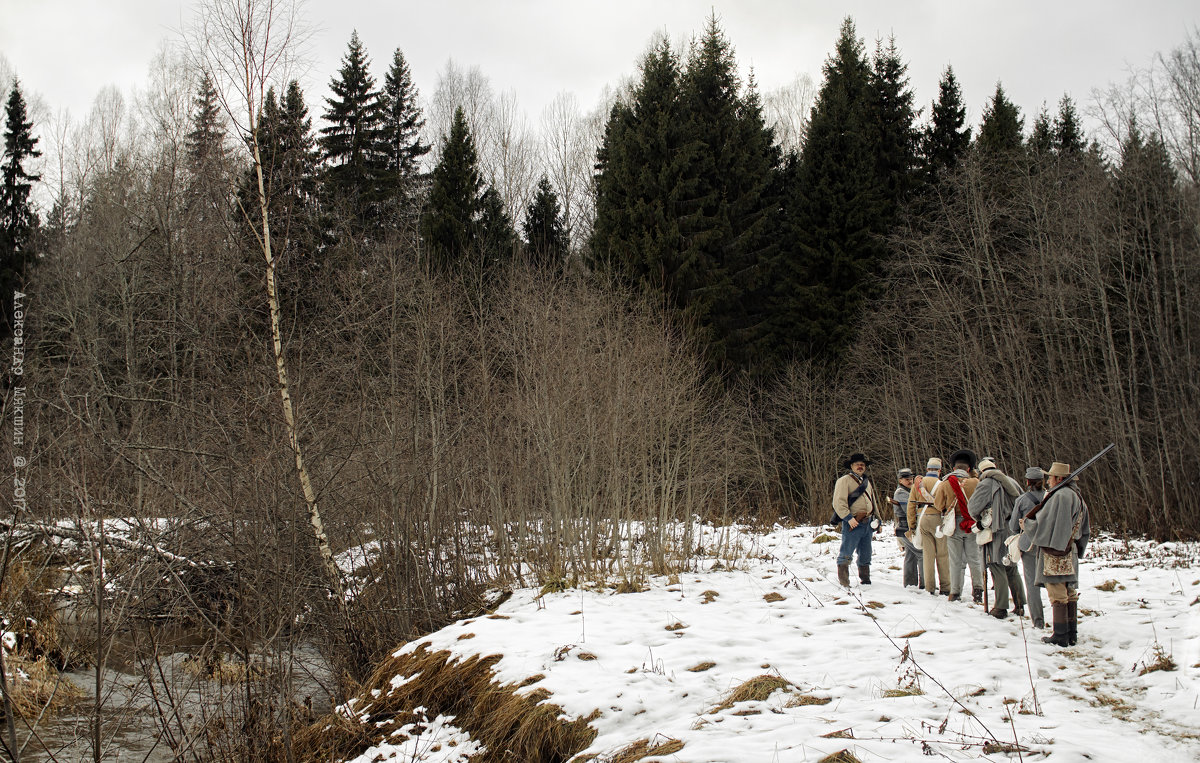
point(511, 726)
point(756, 689)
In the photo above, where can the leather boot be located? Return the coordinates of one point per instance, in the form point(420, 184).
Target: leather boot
point(1059, 616)
point(864, 574)
point(977, 595)
point(1072, 622)
point(953, 597)
point(844, 575)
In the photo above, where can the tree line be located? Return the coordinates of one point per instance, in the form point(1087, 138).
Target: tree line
point(696, 305)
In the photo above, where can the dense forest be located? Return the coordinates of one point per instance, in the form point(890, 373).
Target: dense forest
point(276, 325)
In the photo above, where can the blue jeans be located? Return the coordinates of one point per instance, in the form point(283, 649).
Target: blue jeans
point(858, 539)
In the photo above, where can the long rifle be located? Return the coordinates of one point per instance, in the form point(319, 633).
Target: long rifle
point(1066, 481)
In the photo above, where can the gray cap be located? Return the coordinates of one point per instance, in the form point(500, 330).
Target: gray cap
point(904, 473)
point(1034, 473)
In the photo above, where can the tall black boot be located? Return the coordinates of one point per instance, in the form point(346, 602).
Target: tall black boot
point(1059, 616)
point(864, 574)
point(1072, 622)
point(977, 595)
point(844, 575)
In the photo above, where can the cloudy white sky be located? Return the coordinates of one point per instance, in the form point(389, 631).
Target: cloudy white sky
point(65, 51)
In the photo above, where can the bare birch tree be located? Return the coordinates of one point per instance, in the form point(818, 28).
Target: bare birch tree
point(247, 46)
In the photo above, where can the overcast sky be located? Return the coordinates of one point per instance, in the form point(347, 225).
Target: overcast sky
point(65, 51)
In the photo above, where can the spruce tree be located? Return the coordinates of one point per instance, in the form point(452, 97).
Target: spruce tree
point(205, 142)
point(400, 134)
point(895, 137)
point(639, 174)
point(350, 142)
point(726, 206)
point(495, 236)
point(1041, 136)
point(18, 220)
point(1068, 133)
point(449, 226)
point(947, 138)
point(545, 235)
point(1000, 133)
point(835, 206)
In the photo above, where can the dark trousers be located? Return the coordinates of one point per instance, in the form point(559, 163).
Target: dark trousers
point(854, 541)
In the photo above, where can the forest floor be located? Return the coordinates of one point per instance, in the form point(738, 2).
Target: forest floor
point(766, 658)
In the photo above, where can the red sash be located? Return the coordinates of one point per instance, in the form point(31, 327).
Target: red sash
point(967, 523)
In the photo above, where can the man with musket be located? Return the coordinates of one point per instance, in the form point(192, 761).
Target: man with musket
point(1060, 532)
point(855, 503)
point(1035, 491)
point(951, 498)
point(991, 506)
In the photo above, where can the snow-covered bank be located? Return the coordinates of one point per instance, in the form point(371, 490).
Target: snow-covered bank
point(885, 672)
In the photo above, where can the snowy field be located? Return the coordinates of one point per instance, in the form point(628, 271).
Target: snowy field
point(881, 671)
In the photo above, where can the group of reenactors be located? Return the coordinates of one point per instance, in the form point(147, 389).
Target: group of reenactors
point(974, 518)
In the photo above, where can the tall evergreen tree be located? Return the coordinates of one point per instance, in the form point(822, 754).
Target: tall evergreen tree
point(1068, 133)
point(892, 121)
point(726, 208)
point(350, 142)
point(205, 142)
point(1000, 132)
point(947, 137)
point(834, 209)
point(400, 132)
point(545, 234)
point(1041, 136)
point(494, 233)
point(449, 226)
point(18, 220)
point(639, 174)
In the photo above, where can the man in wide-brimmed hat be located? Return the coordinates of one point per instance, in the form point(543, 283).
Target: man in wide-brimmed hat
point(1060, 532)
point(1035, 491)
point(951, 498)
point(855, 503)
point(991, 505)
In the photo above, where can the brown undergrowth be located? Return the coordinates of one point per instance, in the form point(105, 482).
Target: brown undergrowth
point(509, 725)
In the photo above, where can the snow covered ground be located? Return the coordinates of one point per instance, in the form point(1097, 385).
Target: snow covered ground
point(884, 672)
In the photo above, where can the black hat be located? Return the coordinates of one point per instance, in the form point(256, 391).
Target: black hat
point(904, 474)
point(855, 458)
point(964, 455)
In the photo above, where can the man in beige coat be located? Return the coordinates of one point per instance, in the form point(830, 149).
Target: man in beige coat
point(857, 505)
point(924, 519)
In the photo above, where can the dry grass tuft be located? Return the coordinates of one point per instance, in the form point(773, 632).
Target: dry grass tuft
point(839, 734)
point(643, 748)
point(676, 627)
point(708, 597)
point(1109, 586)
point(842, 756)
point(756, 689)
point(701, 667)
point(905, 691)
point(875, 604)
point(630, 586)
point(913, 634)
point(34, 687)
point(465, 636)
point(800, 700)
point(1002, 748)
point(511, 726)
point(1162, 661)
point(774, 596)
point(824, 538)
point(586, 656)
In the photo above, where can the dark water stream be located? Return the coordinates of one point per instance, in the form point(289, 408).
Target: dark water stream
point(151, 707)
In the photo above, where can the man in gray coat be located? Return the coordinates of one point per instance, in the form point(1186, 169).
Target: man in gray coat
point(991, 505)
point(1060, 532)
point(1035, 491)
